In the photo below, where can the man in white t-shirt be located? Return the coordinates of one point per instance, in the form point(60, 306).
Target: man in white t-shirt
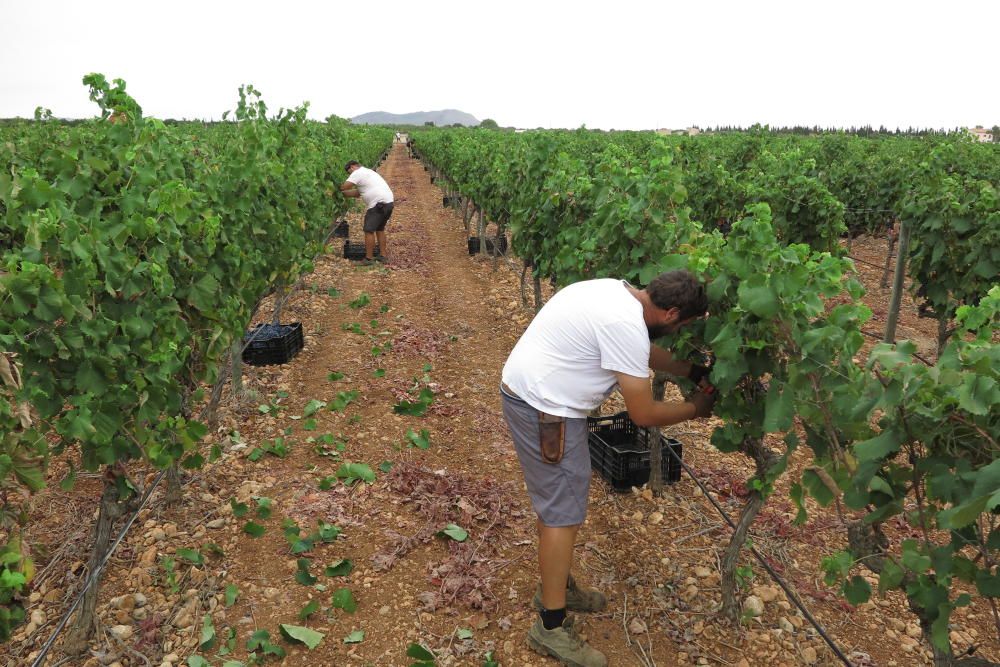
point(589, 338)
point(374, 191)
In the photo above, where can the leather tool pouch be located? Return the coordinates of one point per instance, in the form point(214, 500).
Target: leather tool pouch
point(551, 437)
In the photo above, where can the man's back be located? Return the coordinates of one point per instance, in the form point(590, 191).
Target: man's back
point(565, 363)
point(373, 188)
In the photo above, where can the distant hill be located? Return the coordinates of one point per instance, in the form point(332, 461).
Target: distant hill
point(439, 118)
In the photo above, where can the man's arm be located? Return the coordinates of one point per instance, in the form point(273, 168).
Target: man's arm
point(349, 189)
point(644, 411)
point(663, 360)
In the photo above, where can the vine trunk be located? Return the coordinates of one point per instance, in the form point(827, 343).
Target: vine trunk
point(112, 507)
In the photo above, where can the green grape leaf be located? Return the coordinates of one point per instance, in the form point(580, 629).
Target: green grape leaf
point(779, 408)
point(343, 598)
point(455, 532)
point(254, 529)
point(232, 593)
point(419, 652)
point(857, 590)
point(309, 609)
point(297, 633)
point(339, 568)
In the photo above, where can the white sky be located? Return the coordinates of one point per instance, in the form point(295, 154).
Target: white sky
point(622, 64)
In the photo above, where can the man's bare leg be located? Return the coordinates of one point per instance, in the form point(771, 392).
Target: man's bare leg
point(555, 559)
point(383, 245)
point(369, 245)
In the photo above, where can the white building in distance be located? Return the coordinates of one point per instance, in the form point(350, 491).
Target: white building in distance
point(981, 133)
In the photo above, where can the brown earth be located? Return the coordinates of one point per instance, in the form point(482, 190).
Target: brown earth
point(451, 321)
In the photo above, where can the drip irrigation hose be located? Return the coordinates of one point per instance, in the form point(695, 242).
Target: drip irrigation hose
point(770, 570)
point(96, 574)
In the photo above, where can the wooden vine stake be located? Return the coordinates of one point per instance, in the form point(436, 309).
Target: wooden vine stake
point(653, 438)
point(897, 283)
point(888, 259)
point(481, 231)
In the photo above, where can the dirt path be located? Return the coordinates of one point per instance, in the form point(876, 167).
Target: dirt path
point(445, 336)
point(435, 319)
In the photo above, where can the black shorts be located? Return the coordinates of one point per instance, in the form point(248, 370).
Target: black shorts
point(377, 216)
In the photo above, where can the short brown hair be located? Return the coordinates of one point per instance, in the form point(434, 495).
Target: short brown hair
point(679, 289)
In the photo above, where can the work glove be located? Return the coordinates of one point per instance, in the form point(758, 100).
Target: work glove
point(703, 401)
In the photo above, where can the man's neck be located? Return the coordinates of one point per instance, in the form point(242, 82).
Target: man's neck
point(640, 295)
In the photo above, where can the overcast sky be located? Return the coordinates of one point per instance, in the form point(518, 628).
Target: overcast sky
point(621, 64)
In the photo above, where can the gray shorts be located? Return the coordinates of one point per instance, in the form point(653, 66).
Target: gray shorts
point(558, 491)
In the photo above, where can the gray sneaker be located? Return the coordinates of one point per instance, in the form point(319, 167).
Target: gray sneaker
point(565, 644)
point(577, 598)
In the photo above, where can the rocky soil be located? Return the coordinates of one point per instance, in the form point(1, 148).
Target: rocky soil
point(279, 530)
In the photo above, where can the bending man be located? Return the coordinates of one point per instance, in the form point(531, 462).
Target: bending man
point(590, 337)
point(374, 191)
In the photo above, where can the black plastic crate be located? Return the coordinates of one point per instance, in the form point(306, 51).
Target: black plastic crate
point(341, 230)
point(619, 451)
point(490, 242)
point(356, 250)
point(273, 344)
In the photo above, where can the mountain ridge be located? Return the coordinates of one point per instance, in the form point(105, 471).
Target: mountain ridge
point(440, 118)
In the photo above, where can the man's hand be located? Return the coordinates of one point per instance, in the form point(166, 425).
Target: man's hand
point(349, 189)
point(703, 402)
point(643, 410)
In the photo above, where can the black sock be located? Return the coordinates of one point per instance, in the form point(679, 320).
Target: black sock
point(553, 618)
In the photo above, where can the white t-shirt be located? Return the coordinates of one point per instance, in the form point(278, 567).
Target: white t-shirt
point(373, 188)
point(565, 363)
